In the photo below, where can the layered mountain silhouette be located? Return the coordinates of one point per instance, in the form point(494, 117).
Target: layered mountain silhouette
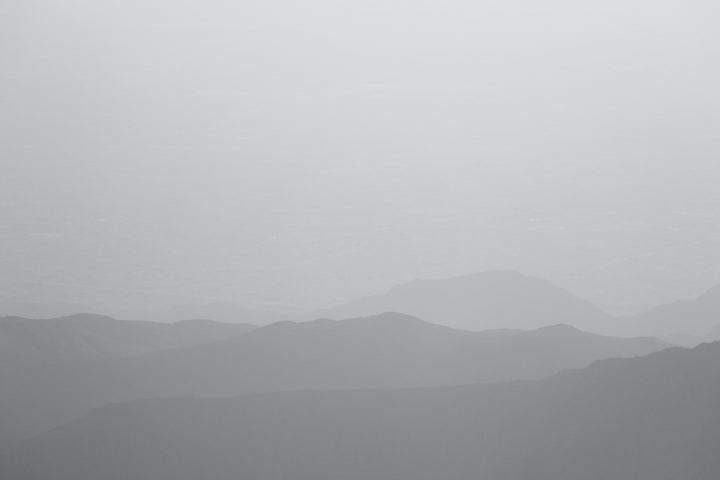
point(696, 316)
point(224, 312)
point(487, 300)
point(714, 334)
point(650, 418)
point(385, 351)
point(87, 336)
point(40, 309)
point(508, 299)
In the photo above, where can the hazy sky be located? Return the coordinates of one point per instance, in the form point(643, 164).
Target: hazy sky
point(294, 154)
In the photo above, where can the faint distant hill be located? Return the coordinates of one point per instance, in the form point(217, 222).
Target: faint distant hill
point(385, 351)
point(43, 309)
point(88, 336)
point(481, 301)
point(220, 311)
point(682, 339)
point(487, 300)
point(649, 418)
point(225, 312)
point(695, 317)
point(713, 335)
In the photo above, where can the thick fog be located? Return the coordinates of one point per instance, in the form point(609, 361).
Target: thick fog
point(293, 155)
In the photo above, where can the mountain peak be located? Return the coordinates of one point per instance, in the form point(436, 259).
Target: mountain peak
point(481, 301)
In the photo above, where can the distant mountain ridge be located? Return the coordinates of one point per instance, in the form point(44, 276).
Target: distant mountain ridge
point(91, 337)
point(40, 309)
point(488, 300)
point(493, 299)
point(507, 299)
point(225, 312)
point(693, 316)
point(386, 351)
point(714, 334)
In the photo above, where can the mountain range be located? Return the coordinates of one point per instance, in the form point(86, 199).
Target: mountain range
point(487, 300)
point(386, 351)
point(87, 336)
point(651, 418)
point(509, 299)
point(362, 391)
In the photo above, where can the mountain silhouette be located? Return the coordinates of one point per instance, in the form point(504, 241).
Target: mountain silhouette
point(40, 309)
point(649, 418)
point(696, 316)
point(386, 351)
point(225, 312)
point(487, 300)
point(89, 336)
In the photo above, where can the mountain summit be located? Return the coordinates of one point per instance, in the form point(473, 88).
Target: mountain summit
point(487, 300)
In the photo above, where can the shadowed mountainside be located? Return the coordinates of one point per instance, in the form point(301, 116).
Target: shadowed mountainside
point(650, 418)
point(384, 351)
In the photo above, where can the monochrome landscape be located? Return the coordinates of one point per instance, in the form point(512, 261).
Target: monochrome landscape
point(359, 240)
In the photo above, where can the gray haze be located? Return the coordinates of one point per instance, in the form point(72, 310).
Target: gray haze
point(359, 240)
point(293, 155)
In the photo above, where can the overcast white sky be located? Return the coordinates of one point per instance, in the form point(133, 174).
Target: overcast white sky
point(300, 153)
